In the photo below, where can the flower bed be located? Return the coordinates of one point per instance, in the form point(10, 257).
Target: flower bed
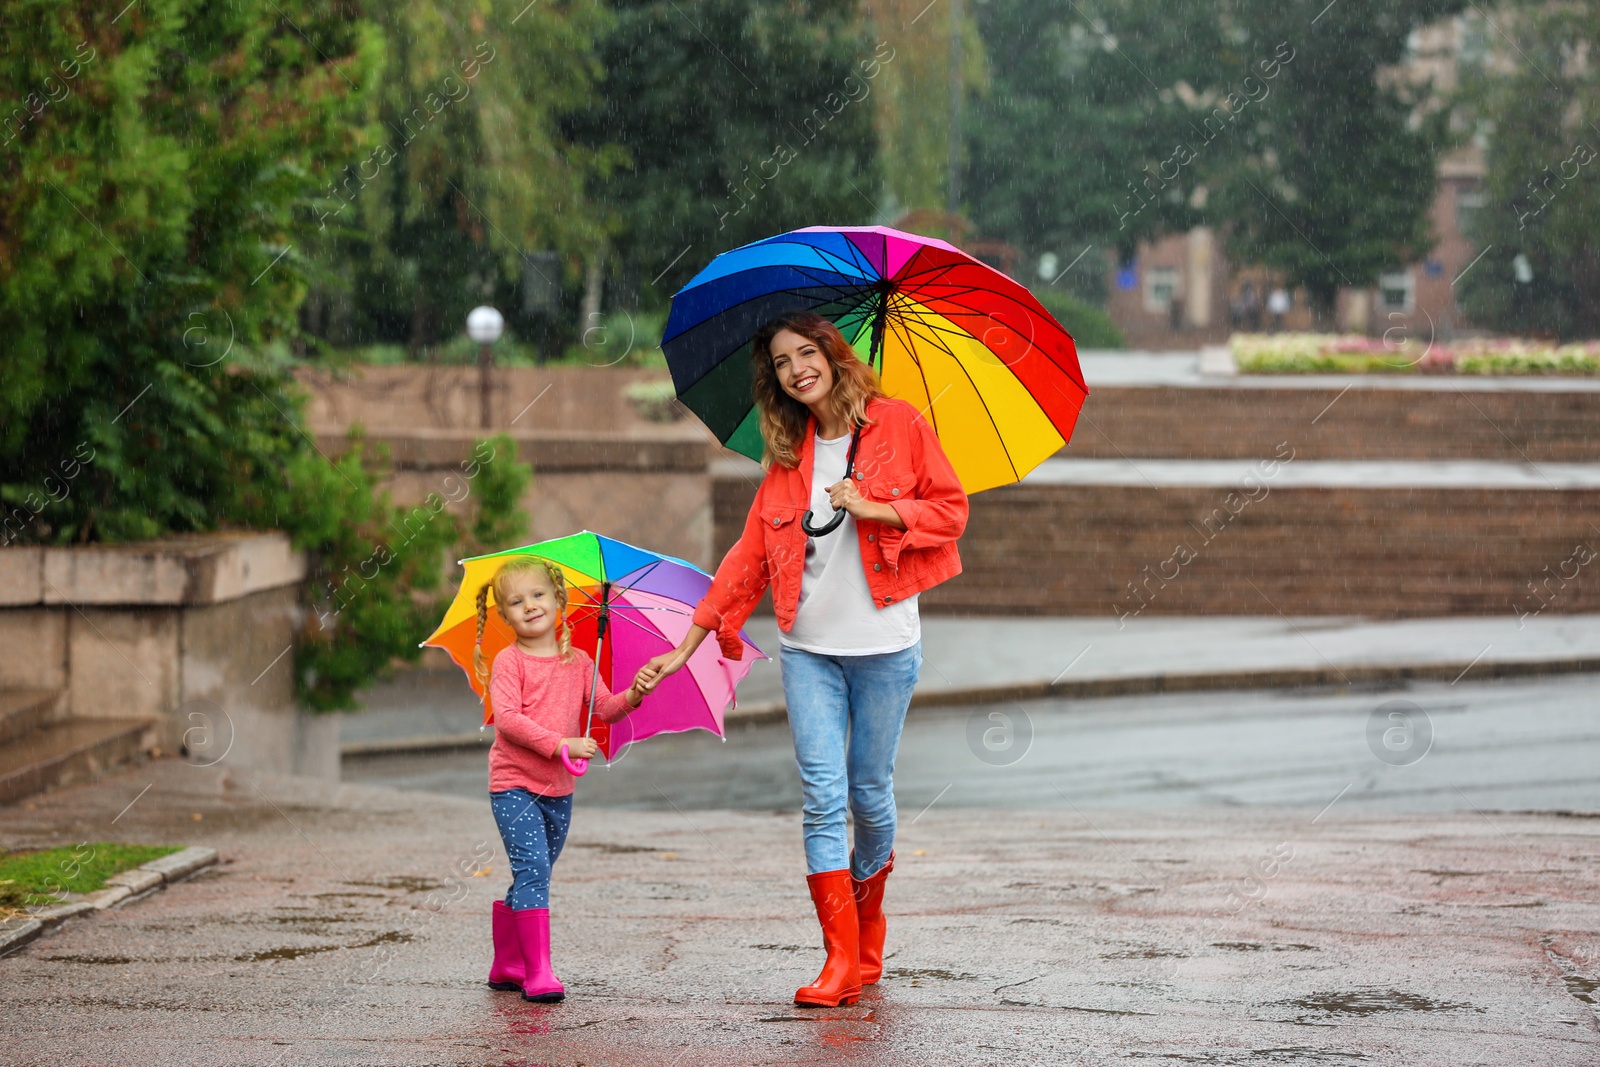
point(1320, 353)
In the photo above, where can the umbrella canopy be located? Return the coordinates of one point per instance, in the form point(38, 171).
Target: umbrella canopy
point(647, 600)
point(994, 372)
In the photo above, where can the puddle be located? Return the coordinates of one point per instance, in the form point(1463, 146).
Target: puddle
point(1259, 946)
point(296, 953)
point(780, 948)
point(1454, 874)
point(1304, 1054)
point(409, 883)
point(1374, 1002)
point(91, 959)
point(328, 896)
point(284, 953)
point(610, 849)
point(1146, 954)
point(935, 973)
point(1044, 922)
point(1106, 1011)
point(309, 920)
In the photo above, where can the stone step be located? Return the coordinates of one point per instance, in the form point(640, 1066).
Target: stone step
point(25, 710)
point(74, 750)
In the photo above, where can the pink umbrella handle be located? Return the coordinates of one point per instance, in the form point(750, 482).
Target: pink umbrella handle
point(578, 767)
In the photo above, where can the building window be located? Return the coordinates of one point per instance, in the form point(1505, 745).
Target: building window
point(1396, 291)
point(1470, 203)
point(1160, 288)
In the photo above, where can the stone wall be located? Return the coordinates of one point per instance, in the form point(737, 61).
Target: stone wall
point(1246, 421)
point(193, 632)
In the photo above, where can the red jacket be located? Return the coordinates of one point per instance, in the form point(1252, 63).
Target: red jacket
point(899, 462)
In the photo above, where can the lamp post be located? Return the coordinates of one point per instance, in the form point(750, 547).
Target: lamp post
point(484, 325)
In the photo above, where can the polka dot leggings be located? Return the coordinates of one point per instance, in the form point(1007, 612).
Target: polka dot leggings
point(534, 828)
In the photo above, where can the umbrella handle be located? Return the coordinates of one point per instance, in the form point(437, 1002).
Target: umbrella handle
point(578, 767)
point(826, 528)
point(838, 516)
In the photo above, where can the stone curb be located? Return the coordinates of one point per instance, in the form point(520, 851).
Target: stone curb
point(129, 884)
point(1087, 688)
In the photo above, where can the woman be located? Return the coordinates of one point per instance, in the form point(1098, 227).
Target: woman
point(846, 601)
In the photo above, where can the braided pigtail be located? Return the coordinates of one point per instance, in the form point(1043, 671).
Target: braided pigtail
point(479, 668)
point(558, 582)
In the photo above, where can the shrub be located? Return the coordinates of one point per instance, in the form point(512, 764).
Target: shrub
point(1089, 326)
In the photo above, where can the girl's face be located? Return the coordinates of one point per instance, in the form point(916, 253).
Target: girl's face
point(530, 607)
point(802, 368)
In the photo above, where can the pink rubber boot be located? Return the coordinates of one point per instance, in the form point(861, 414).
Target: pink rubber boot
point(533, 933)
point(507, 970)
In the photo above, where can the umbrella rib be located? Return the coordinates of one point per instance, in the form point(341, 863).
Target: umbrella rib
point(937, 342)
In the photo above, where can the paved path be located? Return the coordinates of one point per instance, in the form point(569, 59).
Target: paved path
point(346, 926)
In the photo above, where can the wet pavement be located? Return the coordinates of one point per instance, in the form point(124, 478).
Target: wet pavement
point(1511, 744)
point(349, 924)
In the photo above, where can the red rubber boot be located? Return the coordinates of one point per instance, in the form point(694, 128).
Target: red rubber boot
point(533, 933)
point(840, 980)
point(507, 971)
point(870, 920)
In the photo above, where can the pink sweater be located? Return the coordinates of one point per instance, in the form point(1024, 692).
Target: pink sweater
point(537, 701)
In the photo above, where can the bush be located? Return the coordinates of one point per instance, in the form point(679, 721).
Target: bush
point(1089, 326)
point(157, 210)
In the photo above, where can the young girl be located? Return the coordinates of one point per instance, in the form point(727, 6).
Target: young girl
point(540, 691)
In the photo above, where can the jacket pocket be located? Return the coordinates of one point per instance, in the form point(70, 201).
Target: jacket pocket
point(780, 525)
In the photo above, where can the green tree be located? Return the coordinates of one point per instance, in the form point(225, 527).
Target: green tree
point(741, 120)
point(461, 168)
point(155, 191)
point(1117, 122)
point(1330, 179)
point(1080, 107)
point(1539, 107)
point(158, 186)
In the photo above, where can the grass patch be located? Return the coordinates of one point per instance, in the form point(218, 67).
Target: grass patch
point(40, 878)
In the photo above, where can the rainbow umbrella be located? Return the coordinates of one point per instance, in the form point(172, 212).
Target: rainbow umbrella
point(626, 605)
point(994, 372)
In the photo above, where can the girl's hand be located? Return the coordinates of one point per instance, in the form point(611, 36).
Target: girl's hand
point(580, 747)
point(659, 667)
point(635, 695)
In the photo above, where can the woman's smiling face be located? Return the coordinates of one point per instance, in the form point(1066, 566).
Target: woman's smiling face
point(530, 608)
point(803, 369)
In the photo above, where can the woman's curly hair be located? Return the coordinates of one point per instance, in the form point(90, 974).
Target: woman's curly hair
point(783, 418)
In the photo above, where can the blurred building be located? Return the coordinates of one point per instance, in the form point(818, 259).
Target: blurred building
point(1180, 291)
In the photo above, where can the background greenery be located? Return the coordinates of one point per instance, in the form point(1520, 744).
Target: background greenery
point(196, 199)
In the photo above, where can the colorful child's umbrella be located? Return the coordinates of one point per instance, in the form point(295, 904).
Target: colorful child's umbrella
point(626, 605)
point(994, 372)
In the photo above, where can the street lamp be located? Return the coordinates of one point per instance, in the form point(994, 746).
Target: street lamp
point(484, 325)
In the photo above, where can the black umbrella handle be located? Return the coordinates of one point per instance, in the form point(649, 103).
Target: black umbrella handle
point(838, 516)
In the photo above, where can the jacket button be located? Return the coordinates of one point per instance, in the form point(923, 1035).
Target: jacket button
point(774, 522)
point(887, 599)
point(894, 492)
point(872, 537)
point(858, 476)
point(877, 566)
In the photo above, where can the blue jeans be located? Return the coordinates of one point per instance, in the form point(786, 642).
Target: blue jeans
point(845, 715)
point(533, 827)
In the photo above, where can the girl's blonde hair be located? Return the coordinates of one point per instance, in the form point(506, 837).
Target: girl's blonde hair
point(500, 583)
point(783, 418)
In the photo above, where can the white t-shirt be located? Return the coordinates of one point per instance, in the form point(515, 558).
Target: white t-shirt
point(836, 615)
